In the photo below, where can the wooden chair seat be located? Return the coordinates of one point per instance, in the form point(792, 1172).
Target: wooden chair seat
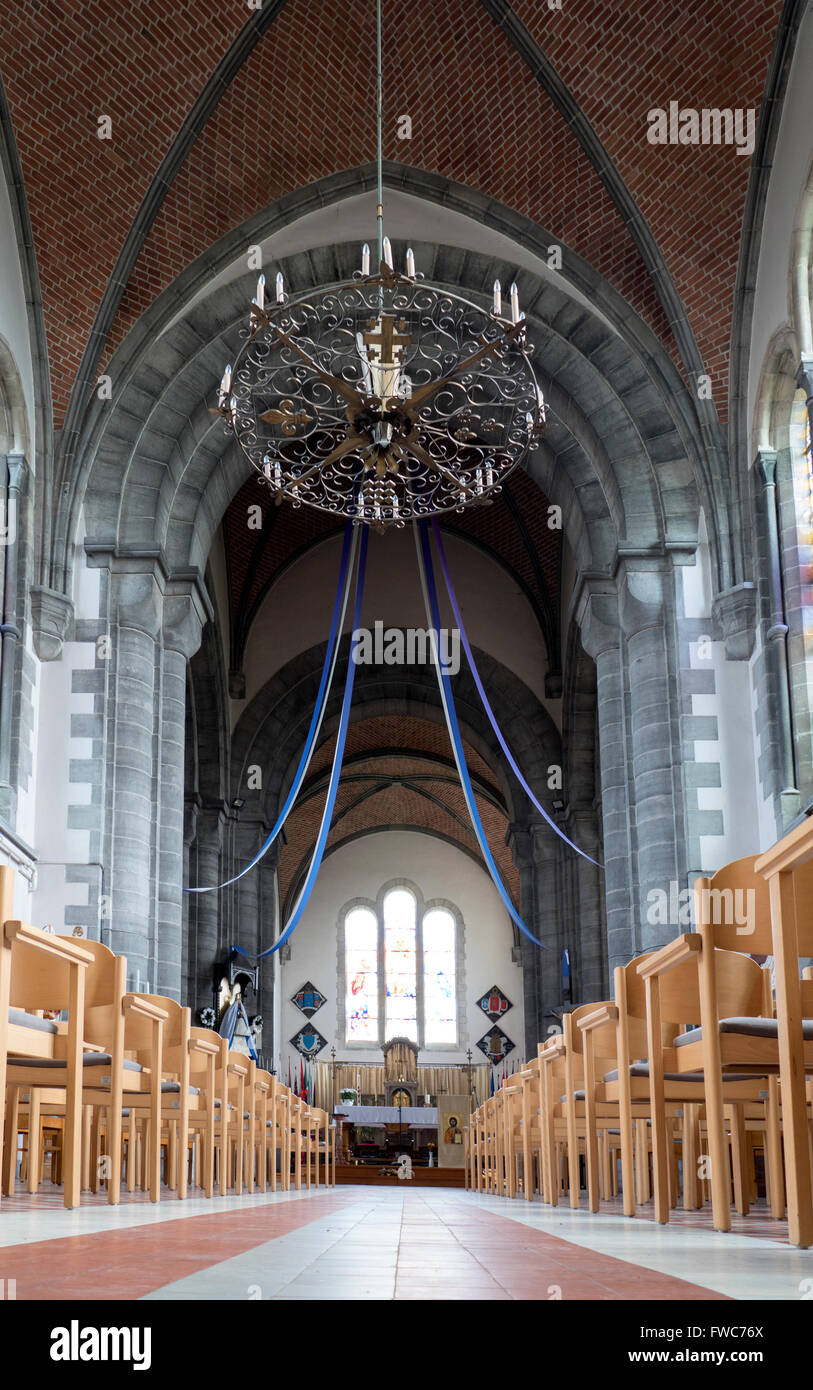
point(749, 1027)
point(89, 1059)
point(19, 1018)
point(688, 1077)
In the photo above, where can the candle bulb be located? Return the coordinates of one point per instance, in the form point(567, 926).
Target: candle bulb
point(365, 259)
point(514, 304)
point(410, 263)
point(280, 288)
point(497, 306)
point(260, 300)
point(225, 384)
point(388, 252)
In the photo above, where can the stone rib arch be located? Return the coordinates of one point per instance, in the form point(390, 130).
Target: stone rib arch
point(652, 365)
point(171, 472)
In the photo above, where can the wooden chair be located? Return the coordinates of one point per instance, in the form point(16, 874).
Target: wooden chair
point(696, 978)
point(41, 971)
point(787, 869)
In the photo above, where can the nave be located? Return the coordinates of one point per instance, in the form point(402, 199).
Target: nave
point(386, 1244)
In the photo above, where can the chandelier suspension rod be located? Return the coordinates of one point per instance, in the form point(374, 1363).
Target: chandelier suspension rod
point(379, 132)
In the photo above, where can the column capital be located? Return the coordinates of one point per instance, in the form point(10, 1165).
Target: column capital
point(18, 467)
point(51, 621)
point(596, 613)
point(611, 607)
point(734, 611)
point(187, 609)
point(148, 595)
point(765, 465)
point(518, 840)
point(804, 376)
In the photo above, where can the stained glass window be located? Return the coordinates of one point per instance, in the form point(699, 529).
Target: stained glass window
point(439, 977)
point(401, 965)
point(361, 962)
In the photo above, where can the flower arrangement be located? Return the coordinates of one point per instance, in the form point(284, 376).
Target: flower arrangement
point(349, 1097)
point(207, 1017)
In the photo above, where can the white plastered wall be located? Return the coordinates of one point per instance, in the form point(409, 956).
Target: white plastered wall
point(360, 869)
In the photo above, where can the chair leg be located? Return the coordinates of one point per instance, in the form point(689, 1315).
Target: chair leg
point(739, 1158)
point(10, 1148)
point(34, 1141)
point(691, 1139)
point(773, 1151)
point(642, 1187)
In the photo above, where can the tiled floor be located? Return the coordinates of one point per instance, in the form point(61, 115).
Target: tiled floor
point(384, 1243)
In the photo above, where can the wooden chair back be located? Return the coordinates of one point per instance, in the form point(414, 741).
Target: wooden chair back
point(739, 989)
point(735, 902)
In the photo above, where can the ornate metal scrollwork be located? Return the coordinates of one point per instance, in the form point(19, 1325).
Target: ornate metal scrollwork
point(382, 399)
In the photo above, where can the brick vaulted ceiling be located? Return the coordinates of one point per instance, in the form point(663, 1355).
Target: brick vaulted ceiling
point(384, 788)
point(292, 104)
point(219, 110)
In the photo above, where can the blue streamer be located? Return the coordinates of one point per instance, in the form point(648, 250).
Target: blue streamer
point(335, 771)
point(486, 705)
point(339, 608)
point(433, 615)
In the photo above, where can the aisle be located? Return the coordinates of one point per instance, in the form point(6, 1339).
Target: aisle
point(379, 1243)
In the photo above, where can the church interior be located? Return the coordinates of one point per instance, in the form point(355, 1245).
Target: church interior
point(406, 650)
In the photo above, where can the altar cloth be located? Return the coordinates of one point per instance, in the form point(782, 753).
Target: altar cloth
point(422, 1115)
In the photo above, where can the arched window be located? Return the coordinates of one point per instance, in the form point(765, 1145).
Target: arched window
point(400, 966)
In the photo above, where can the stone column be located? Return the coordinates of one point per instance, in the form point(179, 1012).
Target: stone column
point(269, 929)
point(627, 627)
point(190, 829)
point(602, 638)
point(12, 606)
point(780, 731)
point(205, 908)
point(136, 610)
point(587, 913)
point(518, 840)
point(182, 628)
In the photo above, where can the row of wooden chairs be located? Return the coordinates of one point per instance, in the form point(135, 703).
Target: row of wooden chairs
point(693, 1070)
point(125, 1090)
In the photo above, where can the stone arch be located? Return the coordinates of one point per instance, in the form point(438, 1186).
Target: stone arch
point(647, 379)
point(14, 431)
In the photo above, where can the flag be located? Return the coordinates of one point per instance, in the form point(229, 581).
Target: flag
point(302, 1077)
point(491, 1086)
point(289, 1073)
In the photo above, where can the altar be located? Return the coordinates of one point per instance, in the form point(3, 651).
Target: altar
point(424, 1116)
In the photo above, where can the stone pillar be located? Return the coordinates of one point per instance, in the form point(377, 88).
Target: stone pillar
point(190, 829)
point(587, 913)
point(627, 626)
point(205, 908)
point(270, 1004)
point(136, 610)
point(538, 857)
point(780, 730)
point(182, 628)
point(518, 840)
point(12, 607)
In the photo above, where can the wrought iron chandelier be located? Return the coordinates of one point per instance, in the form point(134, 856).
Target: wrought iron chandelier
point(384, 398)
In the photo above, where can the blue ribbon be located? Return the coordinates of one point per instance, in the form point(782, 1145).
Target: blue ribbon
point(433, 615)
point(335, 771)
point(486, 705)
point(339, 608)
